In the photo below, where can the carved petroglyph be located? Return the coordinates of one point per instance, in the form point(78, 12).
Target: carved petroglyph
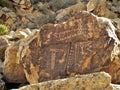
point(61, 36)
point(53, 60)
point(71, 59)
point(76, 46)
point(48, 38)
point(62, 59)
point(53, 56)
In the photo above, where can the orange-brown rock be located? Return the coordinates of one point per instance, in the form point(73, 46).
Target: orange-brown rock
point(13, 71)
point(83, 44)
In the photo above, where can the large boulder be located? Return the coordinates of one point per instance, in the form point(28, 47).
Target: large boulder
point(83, 44)
point(95, 81)
point(13, 70)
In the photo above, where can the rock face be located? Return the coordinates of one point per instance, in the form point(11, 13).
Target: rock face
point(83, 44)
point(95, 81)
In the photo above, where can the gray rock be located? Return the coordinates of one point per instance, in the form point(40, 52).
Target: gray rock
point(2, 83)
point(116, 86)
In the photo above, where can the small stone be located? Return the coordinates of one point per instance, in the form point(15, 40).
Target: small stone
point(70, 11)
point(3, 45)
point(25, 21)
point(117, 20)
point(115, 1)
point(2, 85)
point(27, 31)
point(12, 14)
point(5, 9)
point(22, 2)
point(1, 76)
point(37, 14)
point(1, 13)
point(25, 4)
point(100, 8)
point(16, 1)
point(20, 11)
point(1, 67)
point(116, 86)
point(22, 33)
point(9, 21)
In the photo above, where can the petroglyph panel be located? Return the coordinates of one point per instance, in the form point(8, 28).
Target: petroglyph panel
point(80, 29)
point(77, 46)
point(84, 45)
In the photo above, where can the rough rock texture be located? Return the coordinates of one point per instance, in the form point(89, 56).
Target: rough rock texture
point(18, 34)
point(3, 45)
point(95, 81)
point(83, 44)
point(114, 6)
point(56, 5)
point(13, 70)
point(2, 83)
point(114, 69)
point(1, 66)
point(117, 21)
point(100, 8)
point(27, 14)
point(9, 18)
point(115, 86)
point(66, 13)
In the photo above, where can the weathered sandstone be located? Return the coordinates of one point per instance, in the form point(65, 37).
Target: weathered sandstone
point(83, 44)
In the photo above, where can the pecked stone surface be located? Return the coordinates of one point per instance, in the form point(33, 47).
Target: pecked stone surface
point(94, 81)
point(83, 44)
